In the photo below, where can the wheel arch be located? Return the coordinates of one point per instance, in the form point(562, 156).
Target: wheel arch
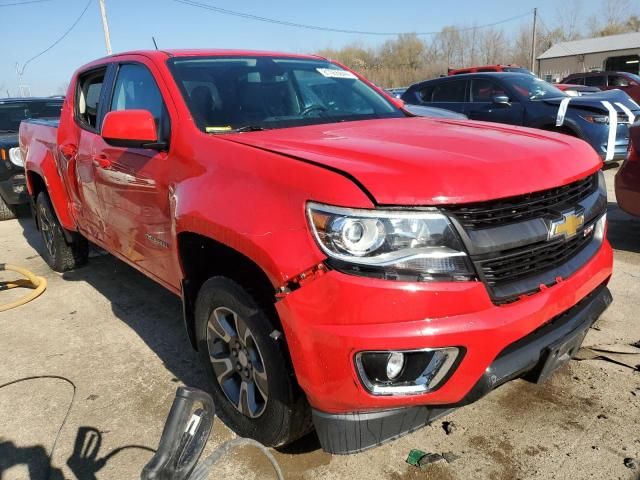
point(201, 257)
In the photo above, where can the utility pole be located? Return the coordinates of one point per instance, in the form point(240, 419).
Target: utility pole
point(105, 26)
point(533, 40)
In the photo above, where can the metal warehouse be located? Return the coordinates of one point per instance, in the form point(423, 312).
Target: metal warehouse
point(612, 53)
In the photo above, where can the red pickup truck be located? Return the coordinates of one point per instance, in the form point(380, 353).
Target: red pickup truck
point(342, 264)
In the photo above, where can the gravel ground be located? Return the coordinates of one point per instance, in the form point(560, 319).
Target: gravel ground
point(118, 337)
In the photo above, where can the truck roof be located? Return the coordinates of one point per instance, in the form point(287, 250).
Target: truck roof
point(211, 52)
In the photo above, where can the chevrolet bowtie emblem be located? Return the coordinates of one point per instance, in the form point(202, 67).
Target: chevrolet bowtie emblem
point(567, 226)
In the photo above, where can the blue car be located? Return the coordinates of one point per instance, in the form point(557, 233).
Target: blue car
point(525, 100)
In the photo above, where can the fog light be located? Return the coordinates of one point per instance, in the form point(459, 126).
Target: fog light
point(407, 372)
point(395, 365)
point(18, 188)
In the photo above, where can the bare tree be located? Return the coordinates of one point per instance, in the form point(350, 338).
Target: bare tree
point(569, 19)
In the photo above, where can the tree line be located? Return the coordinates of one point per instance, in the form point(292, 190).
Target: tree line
point(409, 58)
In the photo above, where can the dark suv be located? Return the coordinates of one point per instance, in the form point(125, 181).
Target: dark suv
point(625, 81)
point(12, 182)
point(525, 100)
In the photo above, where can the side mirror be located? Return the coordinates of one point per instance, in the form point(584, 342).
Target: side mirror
point(131, 129)
point(501, 100)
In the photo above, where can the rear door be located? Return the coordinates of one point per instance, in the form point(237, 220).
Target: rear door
point(132, 183)
point(450, 95)
point(76, 147)
point(482, 105)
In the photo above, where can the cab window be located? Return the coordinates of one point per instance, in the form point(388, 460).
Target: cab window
point(87, 101)
point(136, 89)
point(483, 90)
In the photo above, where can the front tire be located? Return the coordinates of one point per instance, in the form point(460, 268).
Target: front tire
point(254, 388)
point(59, 255)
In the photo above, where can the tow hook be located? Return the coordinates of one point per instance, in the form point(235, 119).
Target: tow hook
point(301, 280)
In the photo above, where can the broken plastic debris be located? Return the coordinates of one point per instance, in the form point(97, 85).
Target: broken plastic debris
point(421, 459)
point(415, 456)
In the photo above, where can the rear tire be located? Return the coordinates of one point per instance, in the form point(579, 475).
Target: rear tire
point(254, 388)
point(7, 212)
point(60, 255)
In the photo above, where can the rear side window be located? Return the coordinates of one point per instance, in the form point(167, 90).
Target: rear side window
point(595, 81)
point(87, 101)
point(450, 91)
point(483, 90)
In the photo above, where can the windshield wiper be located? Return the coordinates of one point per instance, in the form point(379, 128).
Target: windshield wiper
point(8, 131)
point(248, 128)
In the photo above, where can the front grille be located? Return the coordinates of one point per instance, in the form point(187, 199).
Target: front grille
point(532, 260)
point(523, 207)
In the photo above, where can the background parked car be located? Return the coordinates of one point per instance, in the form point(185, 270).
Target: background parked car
point(396, 92)
point(12, 181)
point(628, 177)
point(625, 81)
point(422, 111)
point(526, 100)
point(489, 68)
point(576, 90)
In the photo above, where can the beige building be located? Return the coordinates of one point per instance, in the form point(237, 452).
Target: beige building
point(613, 53)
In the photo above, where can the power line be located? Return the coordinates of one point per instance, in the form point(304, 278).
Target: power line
point(249, 16)
point(27, 2)
point(24, 65)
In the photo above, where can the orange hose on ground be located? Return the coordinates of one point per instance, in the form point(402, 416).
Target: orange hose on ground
point(38, 284)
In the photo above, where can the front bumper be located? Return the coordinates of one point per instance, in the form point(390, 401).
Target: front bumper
point(621, 144)
point(354, 432)
point(334, 315)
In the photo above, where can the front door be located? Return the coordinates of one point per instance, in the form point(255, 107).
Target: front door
point(132, 183)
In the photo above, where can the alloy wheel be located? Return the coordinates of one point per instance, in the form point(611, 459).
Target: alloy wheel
point(47, 227)
point(237, 362)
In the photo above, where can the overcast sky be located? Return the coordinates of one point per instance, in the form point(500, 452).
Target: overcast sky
point(28, 29)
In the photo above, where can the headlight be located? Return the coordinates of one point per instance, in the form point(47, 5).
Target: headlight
point(15, 157)
point(391, 244)
point(596, 118)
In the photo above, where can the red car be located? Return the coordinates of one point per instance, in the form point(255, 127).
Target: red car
point(628, 177)
point(625, 81)
point(341, 263)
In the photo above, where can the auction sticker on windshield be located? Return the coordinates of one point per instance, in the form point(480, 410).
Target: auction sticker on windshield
point(333, 73)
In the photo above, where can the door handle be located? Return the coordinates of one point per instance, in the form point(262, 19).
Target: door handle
point(101, 161)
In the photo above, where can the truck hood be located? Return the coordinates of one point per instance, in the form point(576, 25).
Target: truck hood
point(8, 140)
point(425, 161)
point(593, 101)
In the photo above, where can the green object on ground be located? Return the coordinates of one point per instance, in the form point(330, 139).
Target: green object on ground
point(415, 456)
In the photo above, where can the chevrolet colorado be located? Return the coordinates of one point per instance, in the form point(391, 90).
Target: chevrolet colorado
point(342, 264)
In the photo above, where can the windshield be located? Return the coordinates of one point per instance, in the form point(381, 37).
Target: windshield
point(231, 93)
point(12, 113)
point(535, 88)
